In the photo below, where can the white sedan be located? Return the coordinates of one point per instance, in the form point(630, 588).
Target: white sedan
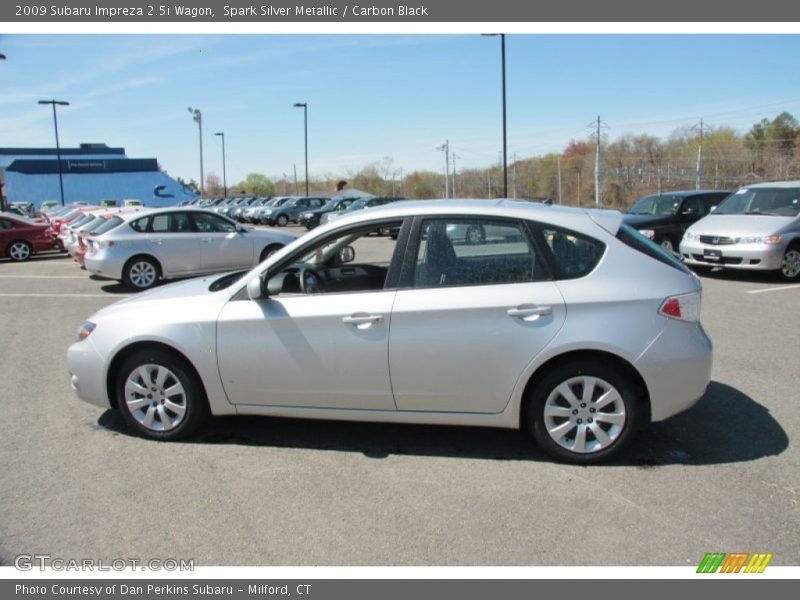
point(139, 249)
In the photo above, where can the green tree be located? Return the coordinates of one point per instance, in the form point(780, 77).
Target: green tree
point(257, 184)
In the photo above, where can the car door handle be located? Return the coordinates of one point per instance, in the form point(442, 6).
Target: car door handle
point(205, 240)
point(156, 241)
point(529, 310)
point(362, 319)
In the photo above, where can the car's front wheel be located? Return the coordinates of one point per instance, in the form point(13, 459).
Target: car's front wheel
point(790, 264)
point(583, 412)
point(269, 251)
point(282, 220)
point(19, 251)
point(159, 395)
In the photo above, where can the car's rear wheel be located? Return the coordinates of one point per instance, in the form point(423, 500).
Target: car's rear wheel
point(19, 251)
point(282, 220)
point(141, 273)
point(269, 251)
point(159, 395)
point(583, 412)
point(475, 234)
point(790, 264)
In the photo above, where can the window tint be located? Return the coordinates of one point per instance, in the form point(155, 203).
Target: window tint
point(630, 237)
point(574, 255)
point(108, 225)
point(694, 204)
point(140, 225)
point(458, 252)
point(208, 223)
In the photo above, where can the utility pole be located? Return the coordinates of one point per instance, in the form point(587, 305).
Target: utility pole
point(402, 187)
point(454, 173)
point(559, 180)
point(514, 180)
point(296, 190)
point(699, 168)
point(446, 149)
point(599, 125)
point(197, 116)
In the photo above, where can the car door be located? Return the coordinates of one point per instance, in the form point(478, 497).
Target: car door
point(172, 242)
point(469, 317)
point(328, 349)
point(222, 245)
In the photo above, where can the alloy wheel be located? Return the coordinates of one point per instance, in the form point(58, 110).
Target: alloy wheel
point(19, 251)
point(584, 414)
point(790, 265)
point(143, 274)
point(155, 397)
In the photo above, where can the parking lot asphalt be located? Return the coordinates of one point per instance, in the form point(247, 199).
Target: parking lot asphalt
point(75, 483)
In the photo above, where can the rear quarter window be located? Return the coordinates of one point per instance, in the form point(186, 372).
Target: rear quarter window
point(632, 238)
point(573, 254)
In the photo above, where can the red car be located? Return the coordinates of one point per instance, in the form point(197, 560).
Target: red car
point(21, 237)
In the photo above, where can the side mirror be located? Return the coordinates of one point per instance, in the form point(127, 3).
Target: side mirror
point(255, 288)
point(712, 209)
point(240, 228)
point(346, 255)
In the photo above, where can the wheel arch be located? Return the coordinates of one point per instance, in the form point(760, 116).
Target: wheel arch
point(587, 355)
point(122, 355)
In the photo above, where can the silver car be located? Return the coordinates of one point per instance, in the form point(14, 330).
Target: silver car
point(177, 242)
point(566, 323)
point(756, 228)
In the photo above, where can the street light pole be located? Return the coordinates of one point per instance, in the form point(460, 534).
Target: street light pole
point(503, 83)
point(304, 106)
point(58, 145)
point(224, 176)
point(198, 118)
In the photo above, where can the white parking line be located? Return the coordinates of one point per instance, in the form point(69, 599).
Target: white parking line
point(774, 289)
point(63, 295)
point(43, 276)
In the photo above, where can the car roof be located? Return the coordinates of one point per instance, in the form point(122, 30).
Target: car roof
point(774, 184)
point(566, 216)
point(684, 193)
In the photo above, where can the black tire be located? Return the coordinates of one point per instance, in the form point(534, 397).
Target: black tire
point(790, 265)
point(134, 406)
point(667, 244)
point(582, 415)
point(269, 251)
point(475, 234)
point(141, 273)
point(19, 251)
point(282, 220)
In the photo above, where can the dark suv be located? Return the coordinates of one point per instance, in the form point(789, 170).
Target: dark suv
point(665, 217)
point(310, 218)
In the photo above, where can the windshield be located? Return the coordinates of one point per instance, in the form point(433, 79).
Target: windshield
point(281, 201)
point(774, 202)
point(94, 224)
point(358, 204)
point(656, 205)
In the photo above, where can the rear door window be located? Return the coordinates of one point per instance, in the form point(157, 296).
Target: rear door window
point(572, 254)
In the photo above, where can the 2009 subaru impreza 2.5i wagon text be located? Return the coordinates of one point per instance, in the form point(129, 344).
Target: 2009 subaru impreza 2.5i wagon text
point(562, 321)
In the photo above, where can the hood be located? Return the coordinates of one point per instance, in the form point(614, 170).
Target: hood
point(184, 290)
point(641, 221)
point(740, 225)
point(272, 235)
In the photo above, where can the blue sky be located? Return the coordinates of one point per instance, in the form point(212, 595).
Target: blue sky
point(372, 97)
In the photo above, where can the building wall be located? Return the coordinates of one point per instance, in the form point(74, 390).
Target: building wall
point(94, 187)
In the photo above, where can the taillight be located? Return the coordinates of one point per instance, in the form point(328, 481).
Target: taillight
point(685, 307)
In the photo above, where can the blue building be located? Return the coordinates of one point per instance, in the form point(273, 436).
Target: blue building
point(91, 173)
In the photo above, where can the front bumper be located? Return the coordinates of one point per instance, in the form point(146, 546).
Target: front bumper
point(87, 373)
point(756, 257)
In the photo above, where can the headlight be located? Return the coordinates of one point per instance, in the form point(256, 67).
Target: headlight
point(648, 233)
point(85, 330)
point(761, 239)
point(267, 212)
point(691, 236)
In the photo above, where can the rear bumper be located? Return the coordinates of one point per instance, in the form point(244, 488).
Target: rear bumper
point(676, 368)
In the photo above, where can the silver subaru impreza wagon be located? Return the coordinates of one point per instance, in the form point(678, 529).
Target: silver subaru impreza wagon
point(561, 321)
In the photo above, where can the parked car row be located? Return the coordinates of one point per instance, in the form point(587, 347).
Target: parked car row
point(756, 228)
